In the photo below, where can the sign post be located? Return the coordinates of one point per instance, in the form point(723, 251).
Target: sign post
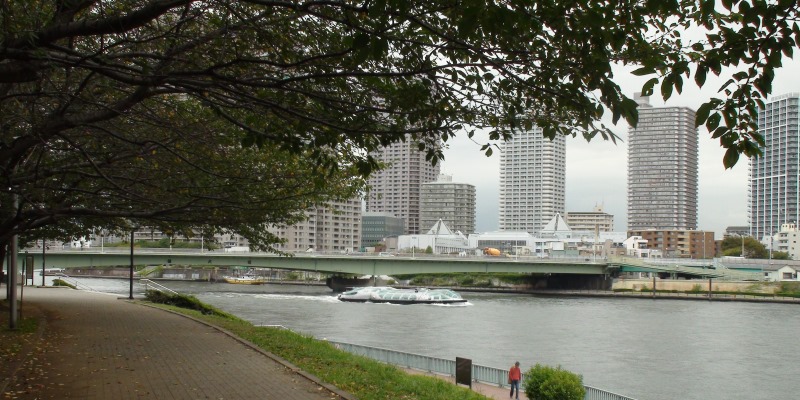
point(464, 371)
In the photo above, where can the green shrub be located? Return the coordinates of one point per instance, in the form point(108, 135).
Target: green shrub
point(789, 288)
point(547, 383)
point(292, 276)
point(183, 301)
point(696, 289)
point(61, 282)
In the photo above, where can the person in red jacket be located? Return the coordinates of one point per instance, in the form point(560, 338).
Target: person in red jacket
point(514, 375)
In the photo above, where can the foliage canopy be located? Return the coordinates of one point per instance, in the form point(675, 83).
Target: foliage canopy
point(733, 246)
point(233, 114)
point(544, 382)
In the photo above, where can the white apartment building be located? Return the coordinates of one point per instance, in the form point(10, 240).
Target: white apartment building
point(785, 240)
point(662, 168)
point(332, 228)
point(532, 179)
point(774, 189)
point(448, 201)
point(590, 221)
point(395, 190)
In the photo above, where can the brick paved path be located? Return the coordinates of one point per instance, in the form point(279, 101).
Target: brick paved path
point(96, 346)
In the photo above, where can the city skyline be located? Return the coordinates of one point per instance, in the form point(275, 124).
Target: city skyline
point(596, 171)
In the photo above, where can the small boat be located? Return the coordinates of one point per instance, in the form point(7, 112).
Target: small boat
point(244, 280)
point(402, 296)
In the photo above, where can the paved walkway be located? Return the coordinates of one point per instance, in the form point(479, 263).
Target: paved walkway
point(96, 346)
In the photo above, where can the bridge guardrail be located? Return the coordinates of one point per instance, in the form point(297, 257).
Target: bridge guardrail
point(480, 373)
point(717, 272)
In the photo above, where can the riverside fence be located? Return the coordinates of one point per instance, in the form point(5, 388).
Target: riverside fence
point(480, 373)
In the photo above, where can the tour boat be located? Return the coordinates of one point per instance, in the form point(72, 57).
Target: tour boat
point(402, 296)
point(244, 280)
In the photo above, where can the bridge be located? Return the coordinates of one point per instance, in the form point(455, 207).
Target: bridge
point(364, 264)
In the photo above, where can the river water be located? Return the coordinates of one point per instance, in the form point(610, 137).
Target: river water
point(642, 348)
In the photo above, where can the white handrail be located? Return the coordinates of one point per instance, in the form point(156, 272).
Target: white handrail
point(156, 286)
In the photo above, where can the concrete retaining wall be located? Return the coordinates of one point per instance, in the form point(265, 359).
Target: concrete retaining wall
point(687, 285)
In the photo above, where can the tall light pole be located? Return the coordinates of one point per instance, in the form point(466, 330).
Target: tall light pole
point(130, 296)
point(771, 243)
point(742, 236)
point(704, 245)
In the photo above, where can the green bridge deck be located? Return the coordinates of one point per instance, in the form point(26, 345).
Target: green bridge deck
point(360, 264)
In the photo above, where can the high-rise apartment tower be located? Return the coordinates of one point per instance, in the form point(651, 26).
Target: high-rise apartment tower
point(532, 178)
point(774, 177)
point(395, 190)
point(662, 168)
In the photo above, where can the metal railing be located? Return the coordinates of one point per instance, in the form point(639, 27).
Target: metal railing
point(480, 373)
point(150, 285)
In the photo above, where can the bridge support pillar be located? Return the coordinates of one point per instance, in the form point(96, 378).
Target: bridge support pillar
point(709, 289)
point(654, 285)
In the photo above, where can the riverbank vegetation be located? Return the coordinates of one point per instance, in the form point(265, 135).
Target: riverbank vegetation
point(365, 378)
point(466, 279)
point(61, 282)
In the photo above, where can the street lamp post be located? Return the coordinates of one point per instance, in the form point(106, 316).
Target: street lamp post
point(771, 243)
point(130, 295)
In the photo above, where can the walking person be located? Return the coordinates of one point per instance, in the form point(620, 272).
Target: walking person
point(514, 375)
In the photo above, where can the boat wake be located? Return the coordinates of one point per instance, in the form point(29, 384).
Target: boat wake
point(324, 299)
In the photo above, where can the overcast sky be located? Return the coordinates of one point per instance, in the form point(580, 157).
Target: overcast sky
point(597, 171)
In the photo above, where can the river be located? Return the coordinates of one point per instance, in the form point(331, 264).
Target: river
point(642, 348)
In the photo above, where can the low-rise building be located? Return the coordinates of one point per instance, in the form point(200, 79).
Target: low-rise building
point(376, 227)
point(679, 243)
point(440, 239)
point(590, 221)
